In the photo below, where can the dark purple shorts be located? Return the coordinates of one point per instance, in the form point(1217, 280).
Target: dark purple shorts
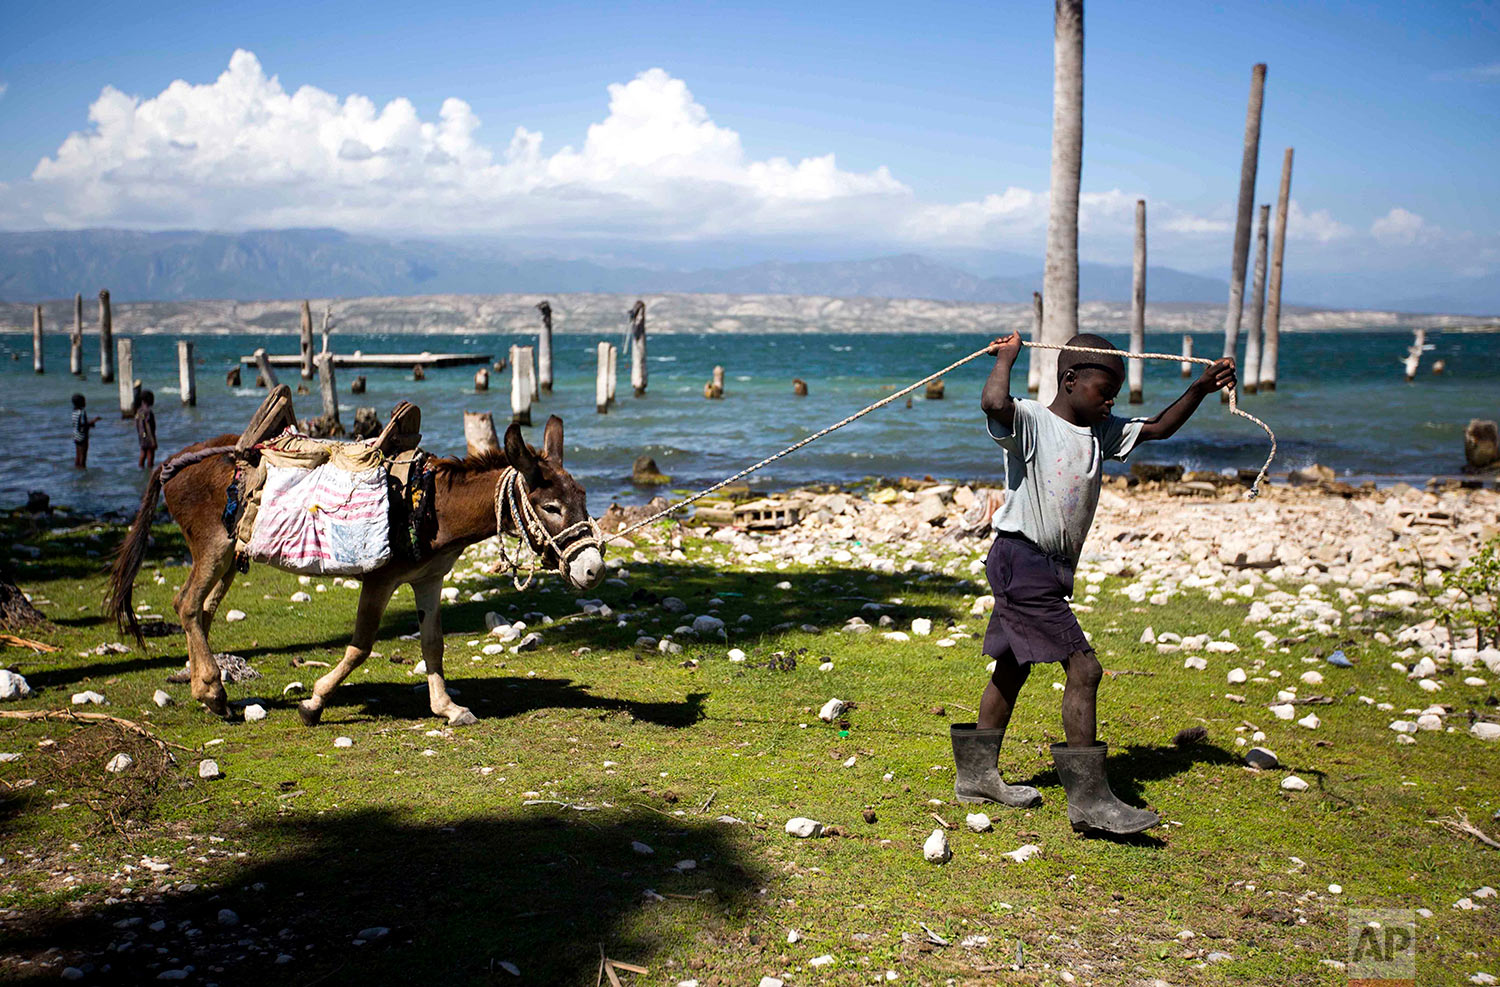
point(1031, 621)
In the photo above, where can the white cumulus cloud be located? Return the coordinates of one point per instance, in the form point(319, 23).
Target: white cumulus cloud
point(1402, 228)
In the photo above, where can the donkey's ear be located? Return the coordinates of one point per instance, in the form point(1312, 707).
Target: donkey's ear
point(521, 457)
point(552, 440)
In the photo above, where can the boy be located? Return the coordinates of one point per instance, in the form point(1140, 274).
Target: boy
point(1053, 464)
point(145, 430)
point(82, 424)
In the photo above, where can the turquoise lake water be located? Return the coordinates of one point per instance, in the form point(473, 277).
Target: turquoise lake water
point(1342, 401)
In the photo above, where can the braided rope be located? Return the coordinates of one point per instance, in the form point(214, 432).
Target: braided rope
point(1234, 409)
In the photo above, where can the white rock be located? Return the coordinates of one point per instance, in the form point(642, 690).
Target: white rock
point(254, 713)
point(936, 848)
point(1403, 726)
point(208, 768)
point(850, 762)
point(1429, 685)
point(1195, 663)
point(530, 642)
point(1485, 731)
point(1023, 853)
point(1335, 889)
point(707, 626)
point(1148, 636)
point(770, 982)
point(1292, 783)
point(118, 763)
point(420, 668)
point(832, 710)
point(978, 822)
point(896, 636)
point(87, 698)
point(641, 848)
point(1423, 669)
point(1475, 681)
point(343, 742)
point(736, 655)
point(1222, 647)
point(12, 685)
point(921, 626)
point(1485, 892)
point(1236, 676)
point(162, 698)
point(1312, 678)
point(228, 917)
point(233, 616)
point(1402, 738)
point(1262, 758)
point(673, 605)
point(300, 597)
point(945, 642)
point(793, 936)
point(1284, 711)
point(1310, 721)
point(493, 649)
point(804, 828)
point(824, 960)
point(1429, 721)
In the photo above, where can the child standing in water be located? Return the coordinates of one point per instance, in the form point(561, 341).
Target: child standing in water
point(1054, 459)
point(145, 430)
point(82, 425)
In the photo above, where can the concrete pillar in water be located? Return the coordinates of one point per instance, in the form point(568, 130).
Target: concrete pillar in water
point(1187, 351)
point(38, 359)
point(614, 366)
point(187, 374)
point(544, 348)
point(75, 344)
point(130, 388)
point(601, 379)
point(106, 339)
point(522, 384)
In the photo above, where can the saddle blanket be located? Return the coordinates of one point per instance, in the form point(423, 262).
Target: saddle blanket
point(327, 520)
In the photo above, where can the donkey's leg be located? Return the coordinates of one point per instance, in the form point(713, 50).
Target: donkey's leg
point(374, 595)
point(428, 592)
point(211, 564)
point(216, 597)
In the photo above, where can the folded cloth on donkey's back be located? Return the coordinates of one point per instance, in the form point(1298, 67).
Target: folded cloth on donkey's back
point(324, 520)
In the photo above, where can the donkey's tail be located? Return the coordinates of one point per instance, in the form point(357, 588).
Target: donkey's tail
point(132, 552)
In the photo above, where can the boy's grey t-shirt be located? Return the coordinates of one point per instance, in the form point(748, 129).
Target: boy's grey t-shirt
point(1053, 470)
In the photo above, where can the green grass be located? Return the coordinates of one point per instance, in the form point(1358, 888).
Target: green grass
point(309, 843)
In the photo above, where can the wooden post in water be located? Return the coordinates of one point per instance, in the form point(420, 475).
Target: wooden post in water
point(1248, 164)
point(38, 359)
point(544, 348)
point(1187, 351)
point(327, 327)
point(357, 386)
point(522, 384)
point(106, 339)
point(614, 368)
point(714, 389)
point(482, 379)
point(1060, 275)
point(1136, 370)
point(530, 358)
point(307, 341)
point(1033, 366)
point(130, 388)
point(480, 436)
point(638, 348)
point(267, 374)
point(799, 387)
point(329, 392)
point(187, 374)
point(1250, 373)
point(1272, 345)
point(75, 347)
point(601, 379)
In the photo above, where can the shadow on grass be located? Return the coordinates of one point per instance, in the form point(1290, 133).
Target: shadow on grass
point(459, 898)
point(1131, 766)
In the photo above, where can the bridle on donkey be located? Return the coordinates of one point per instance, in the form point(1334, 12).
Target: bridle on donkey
point(511, 501)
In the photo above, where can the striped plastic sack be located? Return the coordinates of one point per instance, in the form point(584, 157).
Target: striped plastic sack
point(323, 521)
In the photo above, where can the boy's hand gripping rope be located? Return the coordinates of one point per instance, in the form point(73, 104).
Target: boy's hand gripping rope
point(1234, 409)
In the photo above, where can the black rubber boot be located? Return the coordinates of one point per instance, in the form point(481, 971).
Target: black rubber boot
point(976, 756)
point(1091, 804)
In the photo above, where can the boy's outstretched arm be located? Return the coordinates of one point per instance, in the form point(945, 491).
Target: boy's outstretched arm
point(995, 399)
point(1215, 377)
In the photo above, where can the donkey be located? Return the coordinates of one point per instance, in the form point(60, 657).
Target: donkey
point(523, 491)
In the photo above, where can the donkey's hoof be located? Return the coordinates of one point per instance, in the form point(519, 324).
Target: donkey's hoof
point(461, 717)
point(309, 714)
point(216, 704)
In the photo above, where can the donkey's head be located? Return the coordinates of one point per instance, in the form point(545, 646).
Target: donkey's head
point(559, 503)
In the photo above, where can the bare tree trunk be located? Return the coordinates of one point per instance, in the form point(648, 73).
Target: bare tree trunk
point(327, 327)
point(187, 374)
point(1243, 216)
point(522, 384)
point(479, 433)
point(544, 349)
point(638, 348)
point(38, 358)
point(307, 341)
point(1137, 368)
point(267, 373)
point(1033, 367)
point(106, 339)
point(1273, 301)
point(328, 391)
point(75, 348)
point(1060, 278)
point(601, 379)
point(1187, 351)
point(130, 388)
point(1250, 373)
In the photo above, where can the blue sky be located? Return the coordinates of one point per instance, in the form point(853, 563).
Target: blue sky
point(1394, 110)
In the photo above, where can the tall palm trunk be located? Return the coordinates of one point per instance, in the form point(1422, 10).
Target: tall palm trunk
point(1137, 368)
point(1243, 215)
point(1273, 302)
point(1250, 373)
point(1060, 280)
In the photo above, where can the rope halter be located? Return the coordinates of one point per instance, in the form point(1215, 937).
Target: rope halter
point(513, 505)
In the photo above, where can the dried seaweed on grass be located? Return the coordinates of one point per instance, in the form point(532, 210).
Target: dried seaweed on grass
point(1190, 735)
point(77, 767)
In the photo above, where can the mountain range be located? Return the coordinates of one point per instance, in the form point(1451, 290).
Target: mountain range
point(296, 263)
